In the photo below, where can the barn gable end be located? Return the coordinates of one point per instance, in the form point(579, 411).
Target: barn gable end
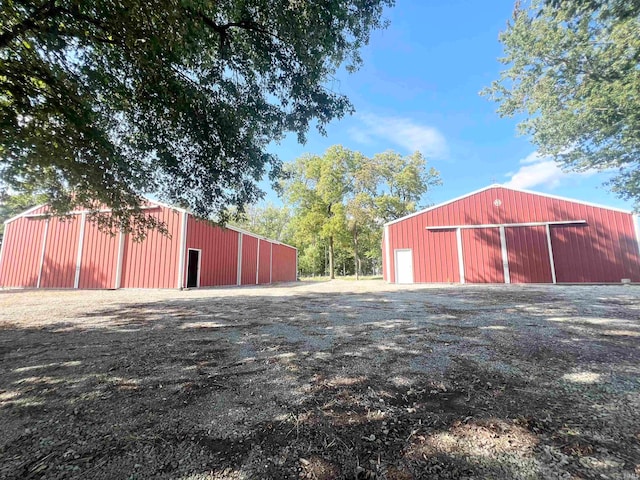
point(500, 234)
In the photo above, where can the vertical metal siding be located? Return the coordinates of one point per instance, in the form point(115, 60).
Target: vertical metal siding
point(482, 255)
point(219, 262)
point(99, 258)
point(153, 262)
point(528, 255)
point(284, 263)
point(603, 250)
point(264, 272)
point(21, 252)
point(61, 252)
point(249, 259)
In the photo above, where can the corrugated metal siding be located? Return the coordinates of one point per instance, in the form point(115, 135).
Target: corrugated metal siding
point(482, 256)
point(605, 250)
point(249, 259)
point(219, 263)
point(434, 252)
point(528, 255)
point(264, 271)
point(284, 263)
point(61, 253)
point(99, 258)
point(21, 252)
point(153, 263)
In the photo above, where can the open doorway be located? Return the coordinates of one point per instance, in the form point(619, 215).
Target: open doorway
point(193, 268)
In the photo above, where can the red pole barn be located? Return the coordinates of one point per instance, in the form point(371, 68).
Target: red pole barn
point(504, 235)
point(41, 251)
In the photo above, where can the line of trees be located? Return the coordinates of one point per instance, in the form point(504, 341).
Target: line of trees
point(334, 206)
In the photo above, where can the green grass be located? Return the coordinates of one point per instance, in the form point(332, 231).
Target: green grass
point(340, 277)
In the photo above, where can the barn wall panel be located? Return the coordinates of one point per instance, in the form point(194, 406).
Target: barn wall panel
point(264, 271)
point(61, 252)
point(249, 259)
point(219, 256)
point(21, 252)
point(284, 263)
point(482, 255)
point(528, 255)
point(99, 258)
point(434, 252)
point(153, 262)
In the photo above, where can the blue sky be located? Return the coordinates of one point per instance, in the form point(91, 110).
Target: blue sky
point(418, 90)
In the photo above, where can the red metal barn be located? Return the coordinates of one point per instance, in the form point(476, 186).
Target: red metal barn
point(48, 252)
point(505, 235)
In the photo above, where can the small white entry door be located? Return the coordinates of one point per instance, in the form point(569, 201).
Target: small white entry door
point(404, 266)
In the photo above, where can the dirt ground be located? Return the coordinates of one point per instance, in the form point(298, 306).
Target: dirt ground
point(320, 381)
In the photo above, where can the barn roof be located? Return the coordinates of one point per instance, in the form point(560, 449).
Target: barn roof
point(497, 185)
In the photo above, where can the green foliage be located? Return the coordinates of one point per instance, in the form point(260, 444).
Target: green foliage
point(341, 199)
point(573, 71)
point(103, 101)
point(269, 221)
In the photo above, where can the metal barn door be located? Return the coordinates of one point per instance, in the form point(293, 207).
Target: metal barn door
point(404, 266)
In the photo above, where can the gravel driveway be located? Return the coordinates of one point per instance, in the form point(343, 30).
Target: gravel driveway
point(342, 379)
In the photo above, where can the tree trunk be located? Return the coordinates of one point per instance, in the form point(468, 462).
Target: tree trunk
point(331, 272)
point(356, 263)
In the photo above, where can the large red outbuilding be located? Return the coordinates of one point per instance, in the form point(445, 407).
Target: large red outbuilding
point(40, 251)
point(504, 235)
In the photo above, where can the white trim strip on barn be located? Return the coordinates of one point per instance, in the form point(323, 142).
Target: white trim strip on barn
point(183, 249)
point(505, 255)
point(239, 272)
point(636, 227)
point(258, 263)
point(44, 247)
point(4, 240)
point(460, 254)
point(552, 262)
point(507, 225)
point(83, 219)
point(118, 281)
point(556, 197)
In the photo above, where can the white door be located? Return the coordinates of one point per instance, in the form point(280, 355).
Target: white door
point(404, 266)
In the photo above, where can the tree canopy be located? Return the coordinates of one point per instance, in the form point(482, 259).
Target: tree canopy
point(340, 200)
point(573, 70)
point(103, 101)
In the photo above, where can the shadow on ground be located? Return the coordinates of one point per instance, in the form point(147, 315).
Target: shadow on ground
point(439, 383)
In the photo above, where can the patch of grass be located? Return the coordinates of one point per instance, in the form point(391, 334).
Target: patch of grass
point(341, 277)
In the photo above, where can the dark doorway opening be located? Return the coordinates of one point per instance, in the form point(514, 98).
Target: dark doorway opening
point(193, 269)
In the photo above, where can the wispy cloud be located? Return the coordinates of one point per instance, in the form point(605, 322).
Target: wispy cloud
point(402, 132)
point(539, 170)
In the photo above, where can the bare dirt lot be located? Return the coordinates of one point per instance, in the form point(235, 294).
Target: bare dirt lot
point(321, 380)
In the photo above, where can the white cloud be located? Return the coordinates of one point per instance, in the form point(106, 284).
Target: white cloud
point(402, 132)
point(538, 170)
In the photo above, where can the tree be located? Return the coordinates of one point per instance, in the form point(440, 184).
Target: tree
point(399, 183)
point(269, 221)
point(343, 198)
point(317, 188)
point(573, 70)
point(104, 101)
